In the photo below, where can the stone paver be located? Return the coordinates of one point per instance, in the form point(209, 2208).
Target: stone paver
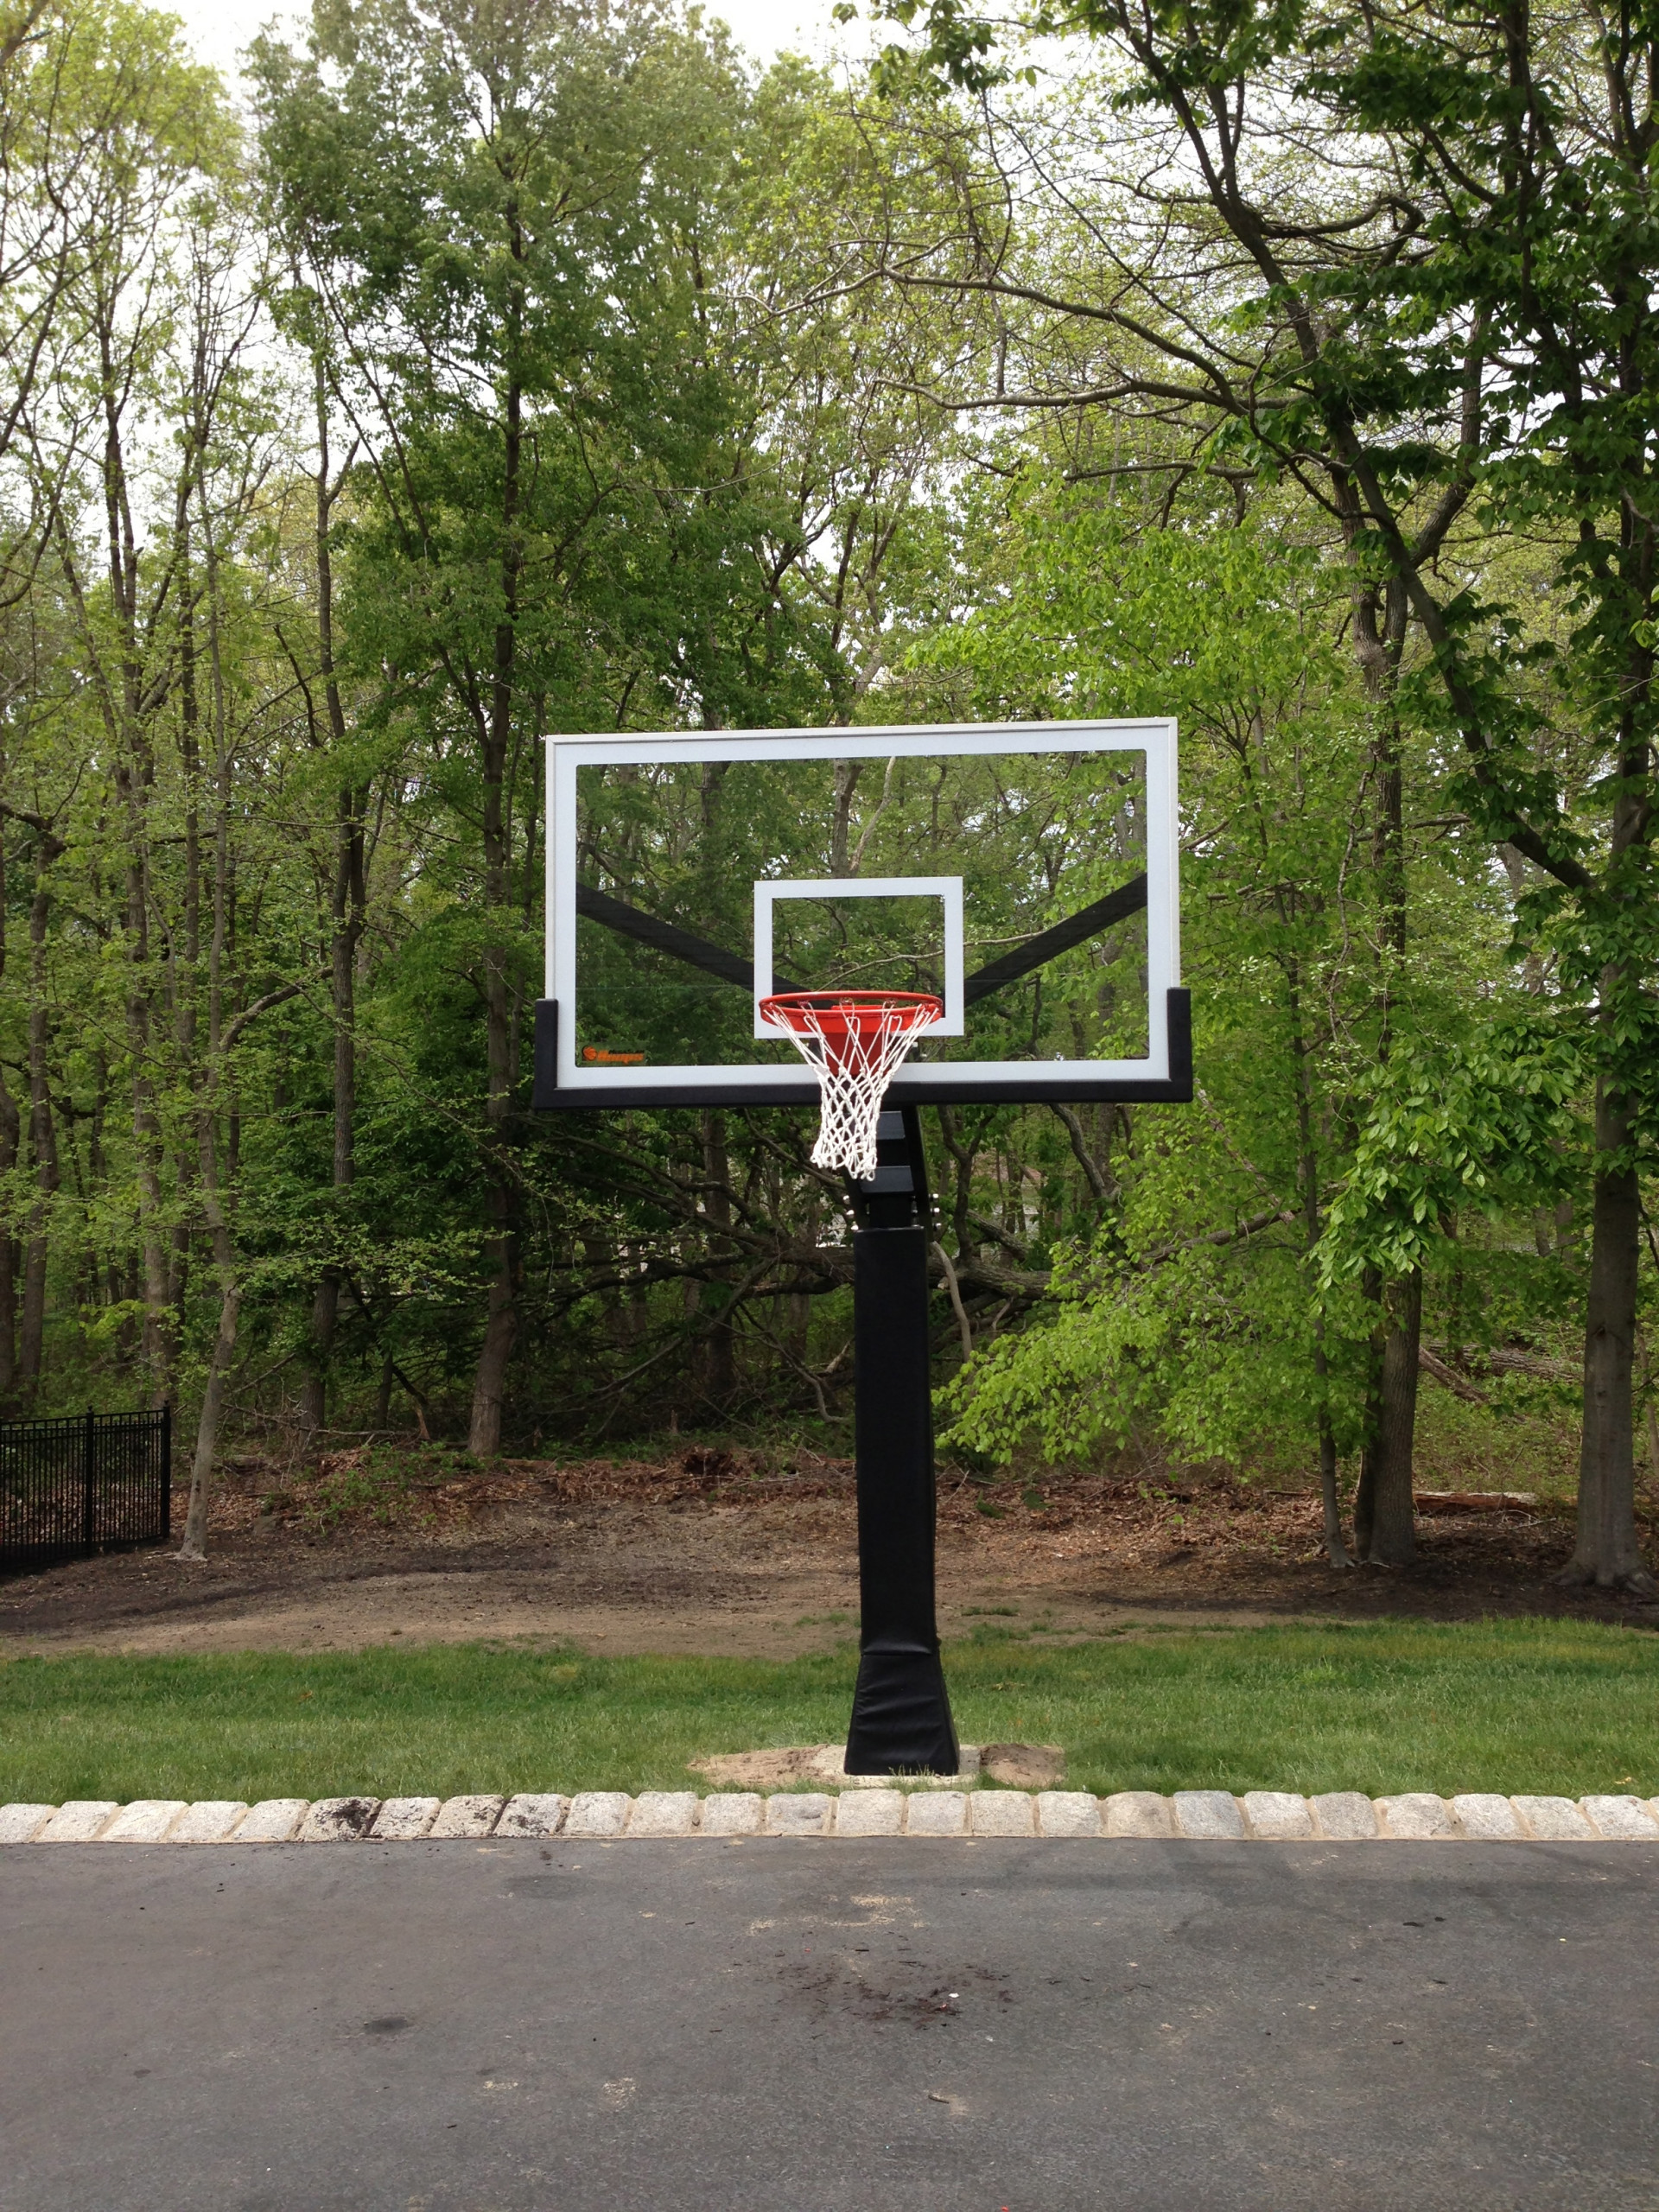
point(211, 1820)
point(1211, 1815)
point(274, 1819)
point(664, 1812)
point(81, 1820)
point(1136, 1812)
point(1554, 1819)
point(1002, 1812)
point(1482, 1813)
point(1343, 1815)
point(1277, 1815)
point(147, 1819)
point(468, 1816)
point(598, 1813)
point(405, 1820)
point(873, 1810)
point(806, 1814)
point(870, 1812)
point(1416, 1816)
point(939, 1812)
point(533, 1815)
point(1621, 1820)
point(1067, 1812)
point(20, 1823)
point(339, 1820)
point(733, 1812)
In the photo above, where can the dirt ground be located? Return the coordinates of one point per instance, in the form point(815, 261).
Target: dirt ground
point(746, 1553)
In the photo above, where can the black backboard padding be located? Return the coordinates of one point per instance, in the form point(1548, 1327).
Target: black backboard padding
point(1047, 944)
point(1016, 1088)
point(1177, 1022)
point(544, 1061)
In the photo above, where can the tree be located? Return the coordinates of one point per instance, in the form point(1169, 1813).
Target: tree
point(506, 221)
point(1414, 272)
point(162, 134)
point(1224, 1334)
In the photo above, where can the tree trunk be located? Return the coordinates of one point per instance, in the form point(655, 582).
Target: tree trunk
point(11, 1135)
point(211, 1078)
point(195, 1545)
point(847, 774)
point(348, 910)
point(320, 1339)
point(43, 1132)
point(1365, 1488)
point(1606, 1552)
point(349, 905)
point(719, 1357)
point(1330, 1498)
point(962, 1155)
point(1308, 1172)
point(495, 732)
point(31, 1345)
point(10, 1141)
point(1382, 1503)
point(159, 1335)
point(1384, 1522)
point(500, 1328)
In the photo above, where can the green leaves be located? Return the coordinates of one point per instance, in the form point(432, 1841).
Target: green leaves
point(1491, 1124)
point(954, 45)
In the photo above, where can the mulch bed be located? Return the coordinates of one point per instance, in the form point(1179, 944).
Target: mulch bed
point(1206, 1534)
point(1200, 1539)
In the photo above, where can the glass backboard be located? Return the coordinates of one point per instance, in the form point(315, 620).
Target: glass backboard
point(1024, 873)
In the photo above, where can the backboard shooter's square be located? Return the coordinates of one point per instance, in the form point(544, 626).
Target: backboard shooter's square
point(946, 890)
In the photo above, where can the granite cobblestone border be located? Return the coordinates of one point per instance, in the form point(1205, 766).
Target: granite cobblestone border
point(611, 1816)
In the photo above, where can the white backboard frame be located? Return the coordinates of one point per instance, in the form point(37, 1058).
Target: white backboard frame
point(562, 1081)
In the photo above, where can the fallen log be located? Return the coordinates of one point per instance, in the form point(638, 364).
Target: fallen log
point(1448, 1377)
point(1498, 1361)
point(1472, 1501)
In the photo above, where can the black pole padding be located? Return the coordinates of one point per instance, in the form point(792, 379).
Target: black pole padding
point(901, 1719)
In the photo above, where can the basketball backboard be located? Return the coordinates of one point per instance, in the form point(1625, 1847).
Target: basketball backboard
point(1024, 872)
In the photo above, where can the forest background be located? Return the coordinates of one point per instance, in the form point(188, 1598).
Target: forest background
point(522, 367)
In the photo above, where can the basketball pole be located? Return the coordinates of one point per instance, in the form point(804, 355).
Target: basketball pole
point(901, 1720)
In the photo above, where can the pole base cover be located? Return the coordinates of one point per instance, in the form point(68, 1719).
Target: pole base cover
point(901, 1714)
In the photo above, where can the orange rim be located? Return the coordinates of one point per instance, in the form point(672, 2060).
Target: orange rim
point(855, 1013)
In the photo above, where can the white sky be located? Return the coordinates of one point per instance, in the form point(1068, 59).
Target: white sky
point(220, 28)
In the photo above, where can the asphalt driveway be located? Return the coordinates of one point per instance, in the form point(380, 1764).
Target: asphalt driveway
point(844, 2026)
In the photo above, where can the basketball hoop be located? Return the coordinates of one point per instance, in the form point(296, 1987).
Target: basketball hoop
point(855, 1041)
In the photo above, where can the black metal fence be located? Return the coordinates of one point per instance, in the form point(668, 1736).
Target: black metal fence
point(96, 1482)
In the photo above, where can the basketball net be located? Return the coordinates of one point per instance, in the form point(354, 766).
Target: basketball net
point(854, 1041)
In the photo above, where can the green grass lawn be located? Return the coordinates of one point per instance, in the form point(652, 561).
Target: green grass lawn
point(1510, 1706)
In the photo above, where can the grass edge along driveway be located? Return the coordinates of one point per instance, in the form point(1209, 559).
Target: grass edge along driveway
point(1513, 1705)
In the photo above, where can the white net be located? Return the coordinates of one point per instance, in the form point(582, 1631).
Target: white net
point(853, 1044)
